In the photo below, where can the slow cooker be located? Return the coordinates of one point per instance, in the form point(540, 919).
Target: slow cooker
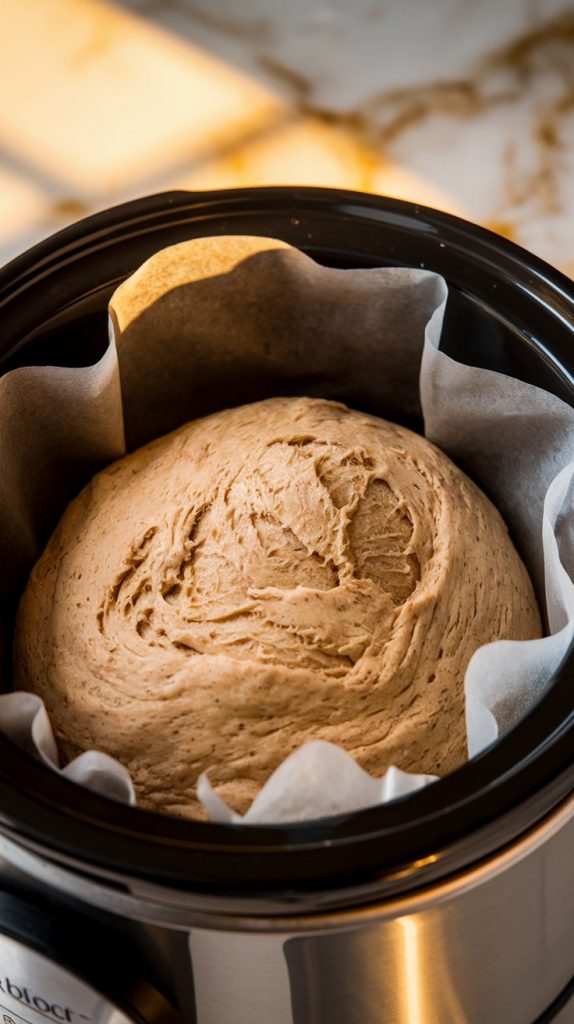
point(455, 904)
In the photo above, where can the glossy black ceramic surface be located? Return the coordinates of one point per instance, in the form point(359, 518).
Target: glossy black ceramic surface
point(508, 311)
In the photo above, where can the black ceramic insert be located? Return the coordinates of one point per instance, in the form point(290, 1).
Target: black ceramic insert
point(507, 311)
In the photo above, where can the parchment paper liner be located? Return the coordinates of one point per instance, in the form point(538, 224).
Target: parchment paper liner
point(218, 322)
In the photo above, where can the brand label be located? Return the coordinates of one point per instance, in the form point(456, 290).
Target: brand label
point(26, 996)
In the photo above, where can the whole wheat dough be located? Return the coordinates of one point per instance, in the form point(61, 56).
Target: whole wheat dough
point(275, 573)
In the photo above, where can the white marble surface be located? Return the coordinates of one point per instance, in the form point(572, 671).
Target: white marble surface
point(463, 104)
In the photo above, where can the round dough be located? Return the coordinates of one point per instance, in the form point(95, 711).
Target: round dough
point(280, 572)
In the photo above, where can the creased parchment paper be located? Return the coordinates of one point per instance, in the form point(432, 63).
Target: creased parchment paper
point(217, 322)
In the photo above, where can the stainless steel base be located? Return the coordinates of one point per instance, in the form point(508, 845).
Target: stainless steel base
point(493, 945)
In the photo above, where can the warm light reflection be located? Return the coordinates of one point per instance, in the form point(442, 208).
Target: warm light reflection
point(310, 152)
point(21, 204)
point(100, 99)
point(427, 963)
point(414, 986)
point(423, 862)
point(98, 105)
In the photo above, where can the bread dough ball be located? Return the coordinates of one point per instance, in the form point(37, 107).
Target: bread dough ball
point(280, 572)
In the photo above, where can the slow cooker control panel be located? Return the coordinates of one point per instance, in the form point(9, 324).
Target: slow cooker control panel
point(35, 989)
point(63, 966)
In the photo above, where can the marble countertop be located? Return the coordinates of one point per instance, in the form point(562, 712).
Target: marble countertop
point(466, 105)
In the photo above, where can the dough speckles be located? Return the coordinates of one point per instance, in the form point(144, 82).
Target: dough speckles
point(279, 572)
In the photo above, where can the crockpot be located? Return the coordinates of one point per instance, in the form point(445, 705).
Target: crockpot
point(455, 904)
